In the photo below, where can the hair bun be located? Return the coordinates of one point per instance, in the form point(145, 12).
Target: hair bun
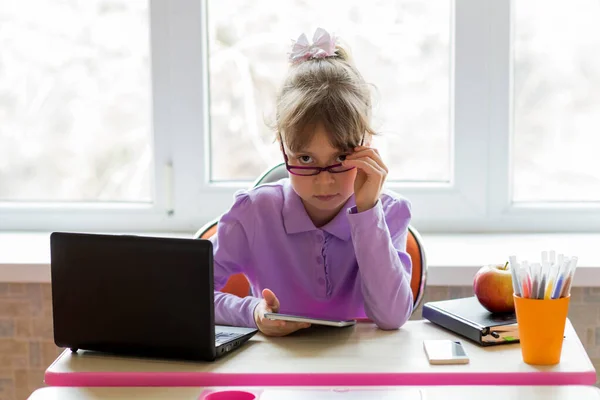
point(342, 52)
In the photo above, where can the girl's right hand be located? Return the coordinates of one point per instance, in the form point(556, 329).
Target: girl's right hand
point(269, 327)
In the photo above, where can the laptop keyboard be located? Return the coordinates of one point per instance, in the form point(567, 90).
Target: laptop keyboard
point(222, 337)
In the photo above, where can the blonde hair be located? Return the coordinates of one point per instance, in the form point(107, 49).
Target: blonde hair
point(327, 90)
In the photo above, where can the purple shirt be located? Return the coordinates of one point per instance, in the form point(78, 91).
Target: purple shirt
point(355, 266)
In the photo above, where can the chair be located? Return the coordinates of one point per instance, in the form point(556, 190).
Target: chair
point(238, 285)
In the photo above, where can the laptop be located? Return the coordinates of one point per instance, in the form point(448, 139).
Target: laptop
point(137, 295)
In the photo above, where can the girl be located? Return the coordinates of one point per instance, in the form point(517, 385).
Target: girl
point(326, 242)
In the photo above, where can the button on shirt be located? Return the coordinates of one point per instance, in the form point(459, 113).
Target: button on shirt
point(355, 266)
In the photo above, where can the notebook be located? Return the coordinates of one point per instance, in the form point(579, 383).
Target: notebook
point(468, 318)
point(137, 295)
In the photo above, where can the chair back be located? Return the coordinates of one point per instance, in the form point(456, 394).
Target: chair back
point(418, 279)
point(273, 174)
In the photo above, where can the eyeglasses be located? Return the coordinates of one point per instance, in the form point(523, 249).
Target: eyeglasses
point(311, 171)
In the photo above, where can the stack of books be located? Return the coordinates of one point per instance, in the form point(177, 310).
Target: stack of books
point(468, 318)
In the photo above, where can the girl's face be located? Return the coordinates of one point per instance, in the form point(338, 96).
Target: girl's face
point(324, 194)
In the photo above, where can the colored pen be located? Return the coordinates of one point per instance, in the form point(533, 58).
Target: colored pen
point(514, 271)
point(569, 280)
point(560, 282)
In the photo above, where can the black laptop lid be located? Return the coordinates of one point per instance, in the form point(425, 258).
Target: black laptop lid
point(133, 294)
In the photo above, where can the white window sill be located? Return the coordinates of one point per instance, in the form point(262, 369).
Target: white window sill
point(452, 259)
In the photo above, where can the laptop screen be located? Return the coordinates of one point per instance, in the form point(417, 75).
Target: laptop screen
point(133, 294)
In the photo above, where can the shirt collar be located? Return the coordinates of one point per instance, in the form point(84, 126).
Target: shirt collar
point(296, 220)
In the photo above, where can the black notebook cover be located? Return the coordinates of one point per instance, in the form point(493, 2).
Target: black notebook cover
point(468, 318)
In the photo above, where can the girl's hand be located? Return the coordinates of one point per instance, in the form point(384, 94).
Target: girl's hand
point(269, 327)
point(370, 177)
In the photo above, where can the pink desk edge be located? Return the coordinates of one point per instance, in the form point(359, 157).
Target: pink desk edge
point(180, 379)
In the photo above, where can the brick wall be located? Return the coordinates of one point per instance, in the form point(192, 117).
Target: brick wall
point(26, 346)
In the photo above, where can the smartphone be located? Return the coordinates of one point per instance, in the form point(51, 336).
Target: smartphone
point(310, 320)
point(444, 352)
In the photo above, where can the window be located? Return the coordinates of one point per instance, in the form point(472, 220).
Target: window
point(401, 46)
point(556, 102)
point(149, 114)
point(75, 97)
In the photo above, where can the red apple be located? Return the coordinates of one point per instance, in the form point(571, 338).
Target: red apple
point(493, 288)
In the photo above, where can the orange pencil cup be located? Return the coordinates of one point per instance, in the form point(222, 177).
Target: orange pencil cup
point(541, 325)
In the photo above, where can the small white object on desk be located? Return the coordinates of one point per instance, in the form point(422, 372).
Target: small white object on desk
point(445, 352)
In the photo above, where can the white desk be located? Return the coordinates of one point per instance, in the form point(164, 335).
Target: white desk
point(339, 393)
point(357, 356)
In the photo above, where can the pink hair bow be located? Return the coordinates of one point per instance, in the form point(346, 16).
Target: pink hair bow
point(323, 46)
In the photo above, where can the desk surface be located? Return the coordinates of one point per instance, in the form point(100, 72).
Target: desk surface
point(356, 356)
point(323, 393)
